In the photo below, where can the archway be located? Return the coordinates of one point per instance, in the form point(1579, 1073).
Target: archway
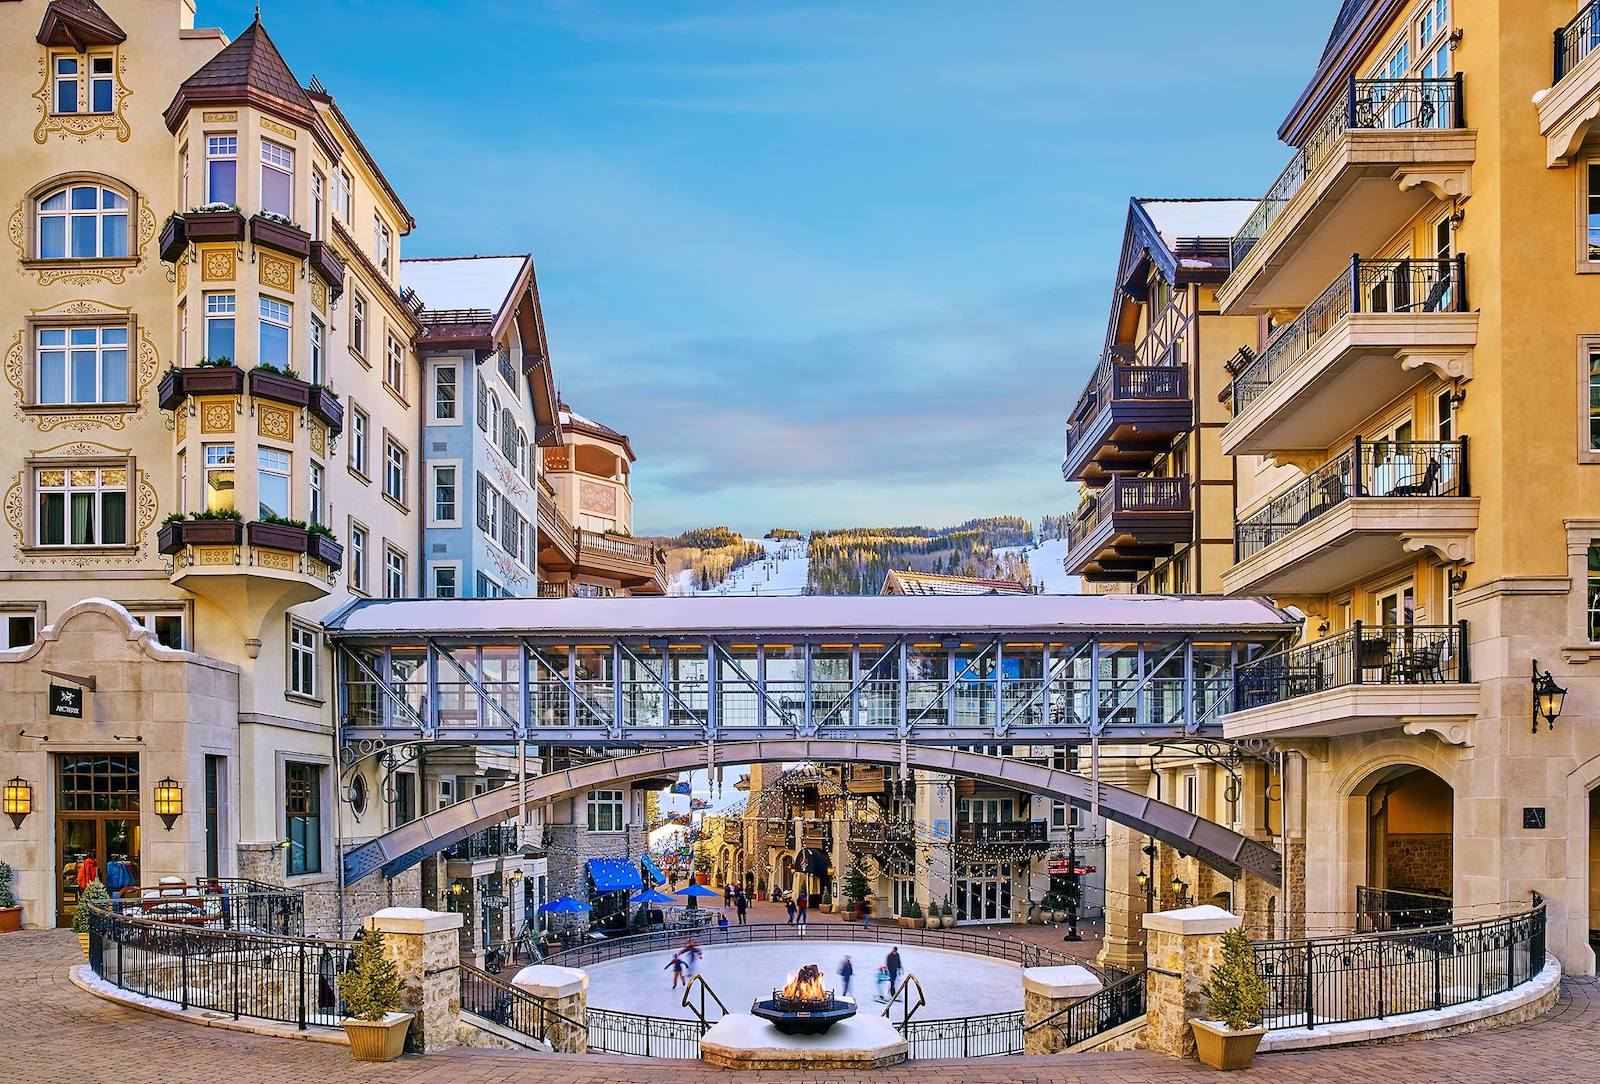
point(1408, 814)
point(1221, 848)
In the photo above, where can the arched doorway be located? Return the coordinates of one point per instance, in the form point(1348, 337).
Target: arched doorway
point(1593, 910)
point(1410, 849)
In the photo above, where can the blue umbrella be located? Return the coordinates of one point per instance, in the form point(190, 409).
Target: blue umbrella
point(650, 895)
point(694, 891)
point(564, 905)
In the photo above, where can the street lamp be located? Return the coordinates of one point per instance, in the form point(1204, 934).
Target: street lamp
point(1548, 698)
point(1073, 889)
point(169, 801)
point(1179, 887)
point(18, 800)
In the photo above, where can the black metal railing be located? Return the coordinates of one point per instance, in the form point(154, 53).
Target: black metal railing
point(499, 1002)
point(1368, 468)
point(1327, 980)
point(1114, 1005)
point(497, 841)
point(1002, 832)
point(1119, 381)
point(986, 1036)
point(1127, 493)
point(613, 1032)
point(1372, 286)
point(294, 980)
point(219, 903)
point(1363, 654)
point(1577, 39)
point(1381, 909)
point(1372, 104)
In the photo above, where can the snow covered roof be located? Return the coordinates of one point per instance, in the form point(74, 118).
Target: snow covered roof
point(905, 582)
point(571, 419)
point(820, 615)
point(1186, 218)
point(464, 282)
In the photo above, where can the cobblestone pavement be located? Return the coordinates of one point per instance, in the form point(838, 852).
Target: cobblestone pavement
point(55, 1032)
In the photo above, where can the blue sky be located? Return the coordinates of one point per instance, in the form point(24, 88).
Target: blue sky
point(827, 264)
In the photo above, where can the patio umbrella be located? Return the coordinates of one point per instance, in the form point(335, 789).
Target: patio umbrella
point(650, 895)
point(564, 905)
point(695, 891)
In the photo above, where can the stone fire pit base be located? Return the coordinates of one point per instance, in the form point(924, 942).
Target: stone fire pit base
point(742, 1041)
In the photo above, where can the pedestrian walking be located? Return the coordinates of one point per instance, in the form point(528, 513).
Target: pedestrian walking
point(675, 965)
point(740, 904)
point(727, 895)
point(866, 912)
point(788, 905)
point(802, 907)
point(847, 971)
point(892, 965)
point(883, 983)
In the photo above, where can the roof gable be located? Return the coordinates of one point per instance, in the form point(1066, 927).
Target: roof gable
point(78, 24)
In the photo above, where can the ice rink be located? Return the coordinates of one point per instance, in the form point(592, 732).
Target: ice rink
point(956, 984)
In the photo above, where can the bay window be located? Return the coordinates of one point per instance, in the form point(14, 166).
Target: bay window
point(82, 506)
point(319, 361)
point(315, 488)
point(218, 486)
point(79, 365)
point(277, 178)
point(275, 326)
point(222, 169)
point(272, 483)
point(220, 313)
point(604, 810)
point(83, 222)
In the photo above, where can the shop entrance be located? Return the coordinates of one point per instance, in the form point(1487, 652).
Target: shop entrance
point(97, 825)
point(983, 892)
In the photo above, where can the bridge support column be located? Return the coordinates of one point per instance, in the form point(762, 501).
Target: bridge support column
point(1184, 947)
point(1045, 992)
point(1123, 945)
point(425, 948)
point(566, 991)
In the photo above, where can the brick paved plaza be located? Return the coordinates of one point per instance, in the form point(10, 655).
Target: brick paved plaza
point(56, 1032)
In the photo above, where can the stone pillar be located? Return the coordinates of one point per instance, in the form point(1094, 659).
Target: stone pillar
point(1184, 946)
point(425, 948)
point(566, 991)
point(1046, 991)
point(1123, 945)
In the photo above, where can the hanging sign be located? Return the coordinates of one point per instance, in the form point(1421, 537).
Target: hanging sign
point(66, 700)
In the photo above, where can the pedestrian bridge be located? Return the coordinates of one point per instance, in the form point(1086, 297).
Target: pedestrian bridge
point(1223, 849)
point(675, 671)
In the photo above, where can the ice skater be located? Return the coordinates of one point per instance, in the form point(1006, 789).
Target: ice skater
point(847, 971)
point(892, 965)
point(692, 954)
point(676, 966)
point(883, 983)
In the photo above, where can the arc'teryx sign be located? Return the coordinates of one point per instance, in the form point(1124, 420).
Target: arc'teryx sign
point(66, 700)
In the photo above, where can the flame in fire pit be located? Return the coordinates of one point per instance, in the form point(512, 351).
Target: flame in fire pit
point(806, 985)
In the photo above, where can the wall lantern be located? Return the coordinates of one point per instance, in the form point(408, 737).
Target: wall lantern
point(1144, 880)
point(169, 801)
point(1548, 698)
point(18, 800)
point(1178, 887)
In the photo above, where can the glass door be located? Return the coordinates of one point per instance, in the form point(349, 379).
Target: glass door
point(97, 826)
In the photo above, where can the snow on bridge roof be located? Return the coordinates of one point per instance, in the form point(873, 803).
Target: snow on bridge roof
point(809, 614)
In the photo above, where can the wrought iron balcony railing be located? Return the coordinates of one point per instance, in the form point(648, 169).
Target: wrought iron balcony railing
point(1368, 468)
point(1372, 104)
point(1361, 655)
point(1127, 493)
point(1381, 909)
point(1577, 39)
point(1021, 832)
point(1381, 286)
point(499, 841)
point(1116, 381)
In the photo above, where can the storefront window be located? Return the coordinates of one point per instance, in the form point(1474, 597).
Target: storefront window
point(97, 825)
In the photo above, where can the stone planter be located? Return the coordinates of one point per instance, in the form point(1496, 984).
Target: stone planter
point(10, 919)
point(280, 388)
point(212, 380)
point(325, 405)
point(173, 537)
point(290, 240)
point(213, 226)
point(1223, 1049)
point(378, 1040)
point(278, 536)
point(949, 922)
point(174, 239)
point(324, 549)
point(826, 908)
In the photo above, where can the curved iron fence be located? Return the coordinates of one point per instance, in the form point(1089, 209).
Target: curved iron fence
point(991, 1035)
point(614, 1032)
point(219, 903)
point(497, 1001)
point(1113, 1006)
point(1329, 980)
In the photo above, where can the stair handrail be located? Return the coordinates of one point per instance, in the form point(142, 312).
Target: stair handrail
point(700, 1011)
point(907, 1009)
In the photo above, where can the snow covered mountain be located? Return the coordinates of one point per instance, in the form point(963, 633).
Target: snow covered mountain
point(782, 572)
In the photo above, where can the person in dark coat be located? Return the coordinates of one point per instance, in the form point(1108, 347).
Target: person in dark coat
point(892, 965)
point(740, 904)
point(788, 905)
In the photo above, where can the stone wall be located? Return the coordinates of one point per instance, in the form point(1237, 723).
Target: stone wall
point(1421, 862)
point(264, 862)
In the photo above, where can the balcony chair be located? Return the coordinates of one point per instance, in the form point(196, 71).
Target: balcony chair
point(1423, 488)
point(1437, 294)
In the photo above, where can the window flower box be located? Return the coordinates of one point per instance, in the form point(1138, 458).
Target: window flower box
point(174, 536)
point(278, 536)
point(201, 226)
point(174, 239)
point(169, 393)
point(279, 387)
point(212, 380)
point(325, 405)
point(290, 240)
point(323, 548)
point(328, 267)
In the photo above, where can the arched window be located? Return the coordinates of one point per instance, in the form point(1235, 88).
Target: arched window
point(494, 418)
point(522, 455)
point(82, 221)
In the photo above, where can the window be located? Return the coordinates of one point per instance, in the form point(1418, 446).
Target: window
point(444, 581)
point(405, 798)
point(222, 169)
point(605, 810)
point(1191, 793)
point(19, 630)
point(444, 393)
point(1594, 398)
point(183, 334)
point(394, 365)
point(183, 482)
point(359, 448)
point(319, 360)
point(444, 494)
point(508, 436)
point(358, 557)
point(358, 323)
point(508, 372)
point(275, 330)
point(302, 659)
point(394, 573)
point(318, 203)
point(1593, 608)
point(488, 508)
point(83, 222)
point(166, 624)
point(68, 74)
point(277, 178)
point(83, 365)
point(488, 587)
point(494, 418)
point(315, 487)
point(82, 506)
point(342, 195)
point(382, 245)
point(219, 478)
point(394, 470)
point(302, 817)
point(220, 312)
point(272, 483)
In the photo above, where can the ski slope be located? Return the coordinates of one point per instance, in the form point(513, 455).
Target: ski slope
point(1044, 564)
point(782, 572)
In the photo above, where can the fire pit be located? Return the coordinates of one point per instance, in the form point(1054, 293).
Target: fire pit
point(803, 1006)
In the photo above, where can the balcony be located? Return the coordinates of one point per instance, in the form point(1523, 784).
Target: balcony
point(1032, 835)
point(558, 542)
point(500, 841)
point(1567, 111)
point(873, 837)
point(1126, 417)
point(1364, 510)
point(1373, 161)
point(1369, 677)
point(867, 779)
point(1128, 526)
point(1381, 327)
point(637, 564)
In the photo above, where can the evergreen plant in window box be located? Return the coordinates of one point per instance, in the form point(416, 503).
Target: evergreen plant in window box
point(328, 267)
point(174, 238)
point(277, 232)
point(324, 403)
point(320, 544)
point(221, 528)
point(214, 222)
point(169, 392)
point(279, 385)
point(213, 376)
point(278, 533)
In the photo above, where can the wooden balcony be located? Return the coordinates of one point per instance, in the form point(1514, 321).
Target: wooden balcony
point(1126, 417)
point(639, 565)
point(558, 541)
point(1125, 528)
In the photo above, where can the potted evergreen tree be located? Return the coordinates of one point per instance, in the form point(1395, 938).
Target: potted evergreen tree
point(94, 894)
point(855, 890)
point(1236, 997)
point(911, 915)
point(371, 992)
point(10, 910)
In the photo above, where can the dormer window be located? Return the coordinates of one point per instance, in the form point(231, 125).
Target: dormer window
point(84, 83)
point(83, 222)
